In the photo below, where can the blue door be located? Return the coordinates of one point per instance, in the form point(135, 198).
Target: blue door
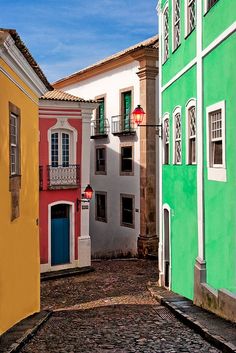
point(60, 235)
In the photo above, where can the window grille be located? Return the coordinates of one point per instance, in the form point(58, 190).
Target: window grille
point(166, 34)
point(126, 159)
point(178, 151)
point(216, 138)
point(176, 23)
point(166, 140)
point(101, 207)
point(192, 134)
point(191, 15)
point(54, 149)
point(127, 211)
point(65, 150)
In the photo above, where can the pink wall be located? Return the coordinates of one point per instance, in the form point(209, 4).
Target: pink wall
point(49, 196)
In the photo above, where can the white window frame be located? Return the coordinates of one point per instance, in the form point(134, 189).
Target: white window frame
point(165, 117)
point(174, 44)
point(177, 110)
point(166, 9)
point(15, 145)
point(191, 103)
point(187, 30)
point(62, 126)
point(216, 172)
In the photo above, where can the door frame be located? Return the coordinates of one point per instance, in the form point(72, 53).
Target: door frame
point(71, 235)
point(167, 208)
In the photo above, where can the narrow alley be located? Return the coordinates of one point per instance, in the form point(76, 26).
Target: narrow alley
point(111, 310)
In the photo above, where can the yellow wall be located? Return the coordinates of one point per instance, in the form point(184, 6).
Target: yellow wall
point(19, 240)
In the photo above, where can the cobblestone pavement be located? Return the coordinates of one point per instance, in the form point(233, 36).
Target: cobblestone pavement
point(111, 311)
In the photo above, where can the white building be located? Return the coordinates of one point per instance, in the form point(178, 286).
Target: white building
point(123, 156)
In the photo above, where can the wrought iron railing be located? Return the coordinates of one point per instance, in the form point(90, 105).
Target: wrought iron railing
point(63, 175)
point(99, 128)
point(122, 124)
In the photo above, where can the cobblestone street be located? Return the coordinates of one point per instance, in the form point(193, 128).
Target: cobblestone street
point(111, 310)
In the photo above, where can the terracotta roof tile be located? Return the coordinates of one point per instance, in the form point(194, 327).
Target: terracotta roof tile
point(59, 95)
point(152, 42)
point(24, 50)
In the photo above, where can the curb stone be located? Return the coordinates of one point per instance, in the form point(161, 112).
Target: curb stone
point(30, 333)
point(216, 340)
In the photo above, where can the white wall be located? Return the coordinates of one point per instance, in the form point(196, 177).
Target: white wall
point(111, 238)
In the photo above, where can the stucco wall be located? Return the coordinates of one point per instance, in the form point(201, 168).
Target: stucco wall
point(19, 239)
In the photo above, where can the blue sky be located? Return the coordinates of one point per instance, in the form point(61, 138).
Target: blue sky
point(66, 36)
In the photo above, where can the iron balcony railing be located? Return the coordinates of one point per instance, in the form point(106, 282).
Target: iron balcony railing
point(63, 175)
point(99, 128)
point(122, 125)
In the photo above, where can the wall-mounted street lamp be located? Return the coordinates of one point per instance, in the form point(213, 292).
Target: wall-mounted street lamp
point(138, 114)
point(86, 196)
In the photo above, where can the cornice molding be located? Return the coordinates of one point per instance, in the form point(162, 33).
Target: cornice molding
point(16, 61)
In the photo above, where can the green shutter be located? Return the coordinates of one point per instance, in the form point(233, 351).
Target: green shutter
point(127, 110)
point(101, 117)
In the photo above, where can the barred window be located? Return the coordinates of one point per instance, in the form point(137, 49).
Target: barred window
point(176, 24)
point(166, 140)
point(177, 137)
point(192, 135)
point(191, 15)
point(166, 34)
point(101, 206)
point(216, 138)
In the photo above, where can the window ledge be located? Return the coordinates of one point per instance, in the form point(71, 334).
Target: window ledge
point(217, 174)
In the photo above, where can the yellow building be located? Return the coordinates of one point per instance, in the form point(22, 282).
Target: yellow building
point(21, 84)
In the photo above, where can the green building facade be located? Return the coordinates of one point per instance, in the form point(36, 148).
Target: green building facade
point(197, 98)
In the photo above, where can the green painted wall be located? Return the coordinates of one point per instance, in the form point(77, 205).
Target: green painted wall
point(179, 192)
point(220, 210)
point(183, 54)
point(218, 19)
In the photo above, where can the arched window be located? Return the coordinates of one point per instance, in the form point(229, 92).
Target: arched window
point(191, 132)
point(166, 139)
point(177, 135)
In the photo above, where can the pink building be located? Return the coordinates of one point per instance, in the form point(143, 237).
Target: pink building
point(64, 157)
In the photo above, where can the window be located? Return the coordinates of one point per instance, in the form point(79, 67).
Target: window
point(176, 24)
point(126, 110)
point(100, 160)
point(127, 211)
point(126, 163)
point(166, 34)
point(191, 132)
point(14, 144)
point(216, 141)
point(177, 137)
point(209, 4)
point(14, 160)
point(100, 116)
point(101, 206)
point(191, 16)
point(166, 139)
point(60, 149)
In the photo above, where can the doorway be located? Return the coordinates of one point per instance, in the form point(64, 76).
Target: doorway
point(166, 248)
point(60, 234)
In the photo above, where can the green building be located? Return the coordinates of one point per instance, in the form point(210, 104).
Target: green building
point(197, 98)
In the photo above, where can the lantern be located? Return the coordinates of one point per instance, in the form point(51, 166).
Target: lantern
point(88, 192)
point(138, 114)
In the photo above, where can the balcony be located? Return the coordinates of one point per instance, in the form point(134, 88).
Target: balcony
point(99, 129)
point(122, 125)
point(59, 177)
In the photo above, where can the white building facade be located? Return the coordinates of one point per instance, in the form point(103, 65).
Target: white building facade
point(123, 156)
